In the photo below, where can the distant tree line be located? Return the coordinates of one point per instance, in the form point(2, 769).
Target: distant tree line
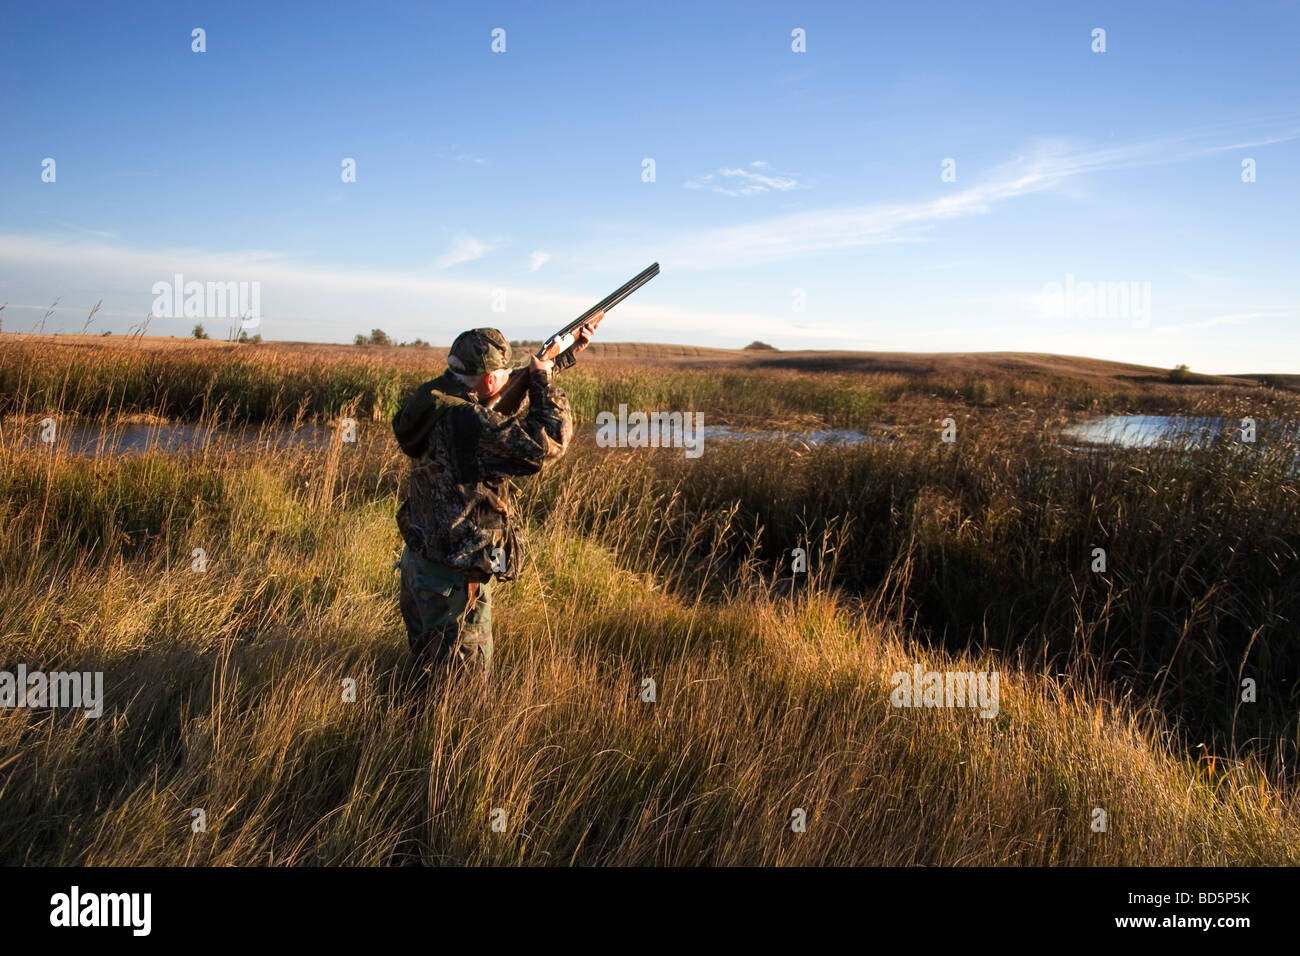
point(244, 337)
point(380, 337)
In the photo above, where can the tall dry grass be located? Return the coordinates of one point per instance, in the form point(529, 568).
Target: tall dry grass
point(225, 688)
point(999, 536)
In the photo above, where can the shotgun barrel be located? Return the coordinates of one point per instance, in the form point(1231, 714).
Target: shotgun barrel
point(605, 304)
point(512, 394)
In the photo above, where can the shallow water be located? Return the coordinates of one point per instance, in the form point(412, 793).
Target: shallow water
point(1129, 431)
point(93, 440)
point(1172, 431)
point(1184, 433)
point(829, 436)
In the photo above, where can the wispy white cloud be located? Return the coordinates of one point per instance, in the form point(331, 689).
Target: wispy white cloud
point(807, 233)
point(1042, 305)
point(465, 249)
point(1235, 318)
point(461, 155)
point(313, 302)
point(1047, 165)
point(1248, 144)
point(84, 230)
point(750, 181)
point(537, 259)
point(1197, 275)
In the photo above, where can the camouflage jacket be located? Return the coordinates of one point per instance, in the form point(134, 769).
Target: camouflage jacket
point(458, 510)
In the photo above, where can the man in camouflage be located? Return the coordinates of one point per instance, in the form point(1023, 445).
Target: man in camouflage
point(458, 521)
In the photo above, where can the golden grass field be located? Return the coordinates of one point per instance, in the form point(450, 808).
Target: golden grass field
point(225, 688)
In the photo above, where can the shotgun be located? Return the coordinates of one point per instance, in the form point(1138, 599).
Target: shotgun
point(512, 394)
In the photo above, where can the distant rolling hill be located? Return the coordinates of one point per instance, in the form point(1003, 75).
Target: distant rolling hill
point(909, 364)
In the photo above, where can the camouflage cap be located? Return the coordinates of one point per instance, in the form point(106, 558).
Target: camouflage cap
point(478, 352)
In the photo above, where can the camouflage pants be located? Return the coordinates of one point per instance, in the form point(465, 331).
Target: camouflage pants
point(448, 619)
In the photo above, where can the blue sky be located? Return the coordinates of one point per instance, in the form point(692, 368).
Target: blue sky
point(797, 197)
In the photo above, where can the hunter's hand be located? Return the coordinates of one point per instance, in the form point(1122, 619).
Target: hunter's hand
point(545, 367)
point(582, 338)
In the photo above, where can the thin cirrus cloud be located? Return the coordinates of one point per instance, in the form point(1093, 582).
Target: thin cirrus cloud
point(1231, 319)
point(812, 232)
point(465, 249)
point(1049, 164)
point(304, 301)
point(537, 259)
point(459, 154)
point(752, 180)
